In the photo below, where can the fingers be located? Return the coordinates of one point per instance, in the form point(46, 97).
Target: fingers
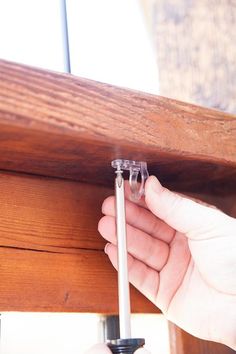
point(172, 275)
point(141, 219)
point(142, 351)
point(144, 278)
point(99, 349)
point(142, 246)
point(184, 215)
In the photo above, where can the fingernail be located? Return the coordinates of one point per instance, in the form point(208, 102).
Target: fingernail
point(106, 248)
point(103, 207)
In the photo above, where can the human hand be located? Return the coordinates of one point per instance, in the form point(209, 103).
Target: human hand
point(182, 256)
point(103, 349)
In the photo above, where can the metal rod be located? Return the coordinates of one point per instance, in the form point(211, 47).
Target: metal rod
point(123, 282)
point(65, 37)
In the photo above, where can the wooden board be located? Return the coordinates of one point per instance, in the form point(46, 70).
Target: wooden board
point(50, 214)
point(59, 125)
point(61, 282)
point(51, 255)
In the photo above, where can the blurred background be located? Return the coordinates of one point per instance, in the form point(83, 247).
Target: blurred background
point(73, 333)
point(183, 49)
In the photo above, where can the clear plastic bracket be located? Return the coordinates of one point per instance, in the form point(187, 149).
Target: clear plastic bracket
point(134, 167)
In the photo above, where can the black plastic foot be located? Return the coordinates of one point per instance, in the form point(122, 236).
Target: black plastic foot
point(125, 346)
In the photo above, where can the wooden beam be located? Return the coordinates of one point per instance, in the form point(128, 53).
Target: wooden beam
point(62, 282)
point(51, 255)
point(59, 125)
point(50, 214)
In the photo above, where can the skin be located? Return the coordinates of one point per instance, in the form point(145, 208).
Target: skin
point(182, 256)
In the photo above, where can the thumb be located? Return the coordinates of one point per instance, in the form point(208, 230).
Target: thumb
point(185, 215)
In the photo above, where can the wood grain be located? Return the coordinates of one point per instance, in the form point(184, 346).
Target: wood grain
point(51, 255)
point(182, 342)
point(61, 282)
point(50, 214)
point(59, 125)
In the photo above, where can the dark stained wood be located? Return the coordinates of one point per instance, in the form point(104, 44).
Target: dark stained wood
point(59, 125)
point(51, 255)
point(182, 342)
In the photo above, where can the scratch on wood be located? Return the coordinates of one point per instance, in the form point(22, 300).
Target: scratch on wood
point(66, 297)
